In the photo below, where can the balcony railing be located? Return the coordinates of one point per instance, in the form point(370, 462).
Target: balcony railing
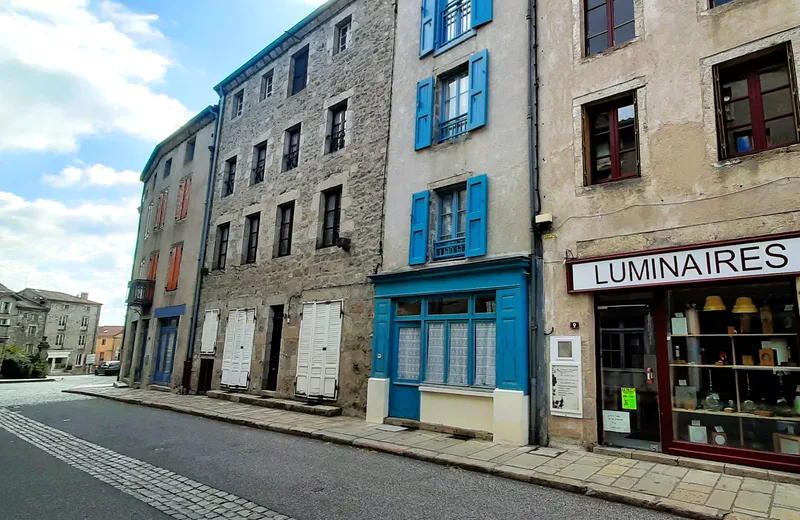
point(290, 160)
point(447, 249)
point(336, 141)
point(453, 127)
point(456, 19)
point(258, 173)
point(140, 292)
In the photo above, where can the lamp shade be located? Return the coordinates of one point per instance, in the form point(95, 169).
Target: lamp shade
point(744, 305)
point(714, 303)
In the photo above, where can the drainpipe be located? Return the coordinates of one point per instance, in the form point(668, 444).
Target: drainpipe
point(187, 364)
point(538, 429)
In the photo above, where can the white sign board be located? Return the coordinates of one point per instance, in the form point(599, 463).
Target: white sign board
point(619, 422)
point(760, 258)
point(566, 376)
point(90, 359)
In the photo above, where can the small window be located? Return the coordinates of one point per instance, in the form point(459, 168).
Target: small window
point(331, 216)
point(230, 177)
point(343, 35)
point(285, 223)
point(485, 304)
point(31, 330)
point(409, 308)
point(299, 72)
point(455, 20)
point(612, 140)
point(190, 149)
point(238, 104)
point(291, 156)
point(59, 340)
point(5, 322)
point(174, 270)
point(85, 321)
point(62, 321)
point(717, 3)
point(454, 104)
point(757, 104)
point(103, 341)
point(259, 163)
point(223, 231)
point(266, 86)
point(608, 23)
point(452, 225)
point(5, 308)
point(336, 138)
point(148, 221)
point(251, 245)
point(167, 168)
point(82, 340)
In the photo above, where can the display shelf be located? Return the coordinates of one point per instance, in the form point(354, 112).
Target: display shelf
point(738, 367)
point(778, 334)
point(736, 414)
point(695, 365)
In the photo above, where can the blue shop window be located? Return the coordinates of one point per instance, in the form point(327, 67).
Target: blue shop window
point(451, 241)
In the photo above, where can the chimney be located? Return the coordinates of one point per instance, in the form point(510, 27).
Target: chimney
point(84, 296)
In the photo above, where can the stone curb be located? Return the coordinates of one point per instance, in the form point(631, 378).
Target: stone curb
point(608, 493)
point(36, 380)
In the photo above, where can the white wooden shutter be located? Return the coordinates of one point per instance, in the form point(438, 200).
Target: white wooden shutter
point(210, 327)
point(248, 335)
point(330, 373)
point(304, 348)
point(238, 348)
point(318, 346)
point(228, 351)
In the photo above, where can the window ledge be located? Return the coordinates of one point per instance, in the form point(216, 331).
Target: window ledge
point(457, 390)
point(608, 52)
point(452, 43)
point(763, 155)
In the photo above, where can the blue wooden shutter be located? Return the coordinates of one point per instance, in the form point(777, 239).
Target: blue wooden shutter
point(511, 357)
point(476, 215)
point(426, 28)
point(418, 246)
point(481, 12)
point(380, 342)
point(423, 133)
point(478, 89)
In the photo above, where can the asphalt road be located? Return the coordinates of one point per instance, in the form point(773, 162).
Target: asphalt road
point(303, 478)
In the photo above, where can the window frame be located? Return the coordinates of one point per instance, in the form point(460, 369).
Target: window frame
point(191, 144)
point(174, 269)
point(259, 163)
point(457, 124)
point(716, 3)
point(441, 27)
point(336, 214)
point(229, 179)
point(167, 168)
point(237, 107)
point(750, 66)
point(610, 106)
point(294, 88)
point(223, 238)
point(284, 246)
point(336, 139)
point(5, 308)
point(291, 156)
point(343, 26)
point(32, 327)
point(267, 85)
point(251, 242)
point(59, 340)
point(611, 26)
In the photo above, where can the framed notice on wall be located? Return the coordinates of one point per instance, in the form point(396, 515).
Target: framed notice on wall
point(566, 379)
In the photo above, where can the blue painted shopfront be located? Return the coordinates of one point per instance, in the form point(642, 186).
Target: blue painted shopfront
point(463, 325)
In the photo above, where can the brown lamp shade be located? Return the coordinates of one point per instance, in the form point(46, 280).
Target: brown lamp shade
point(714, 303)
point(744, 305)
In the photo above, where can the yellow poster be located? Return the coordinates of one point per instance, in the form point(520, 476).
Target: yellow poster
point(629, 399)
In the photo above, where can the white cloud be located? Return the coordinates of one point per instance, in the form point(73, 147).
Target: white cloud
point(69, 73)
point(84, 247)
point(90, 174)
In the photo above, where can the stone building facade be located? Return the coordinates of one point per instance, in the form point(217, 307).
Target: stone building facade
point(70, 326)
point(166, 263)
point(21, 321)
point(304, 129)
point(670, 143)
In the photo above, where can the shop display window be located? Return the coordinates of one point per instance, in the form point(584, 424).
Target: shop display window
point(735, 366)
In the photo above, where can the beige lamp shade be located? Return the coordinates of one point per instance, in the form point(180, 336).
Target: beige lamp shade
point(714, 303)
point(744, 305)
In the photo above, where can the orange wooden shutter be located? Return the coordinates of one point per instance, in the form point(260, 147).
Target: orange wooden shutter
point(153, 266)
point(174, 267)
point(186, 191)
point(179, 205)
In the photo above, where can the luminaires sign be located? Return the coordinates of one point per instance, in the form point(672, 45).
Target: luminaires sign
point(742, 260)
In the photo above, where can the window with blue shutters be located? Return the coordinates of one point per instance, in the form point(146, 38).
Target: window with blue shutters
point(461, 220)
point(477, 203)
point(418, 244)
point(445, 23)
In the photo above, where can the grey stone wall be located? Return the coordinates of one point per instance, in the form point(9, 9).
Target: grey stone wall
point(361, 75)
point(16, 333)
point(74, 330)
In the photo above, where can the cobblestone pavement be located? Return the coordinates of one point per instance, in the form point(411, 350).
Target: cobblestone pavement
point(170, 493)
point(21, 394)
point(684, 486)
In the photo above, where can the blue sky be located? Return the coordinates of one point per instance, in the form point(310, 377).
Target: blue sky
point(89, 87)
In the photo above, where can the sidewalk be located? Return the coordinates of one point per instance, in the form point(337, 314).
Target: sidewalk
point(681, 486)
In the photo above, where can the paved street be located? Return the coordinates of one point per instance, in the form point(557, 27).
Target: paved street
point(12, 394)
point(81, 459)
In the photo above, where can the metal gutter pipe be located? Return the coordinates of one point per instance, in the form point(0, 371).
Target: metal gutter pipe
point(187, 364)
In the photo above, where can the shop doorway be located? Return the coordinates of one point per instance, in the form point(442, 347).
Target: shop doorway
point(274, 353)
point(404, 398)
point(629, 408)
point(165, 353)
point(137, 374)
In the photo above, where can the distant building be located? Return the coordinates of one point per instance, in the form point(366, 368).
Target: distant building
point(108, 343)
point(21, 321)
point(70, 325)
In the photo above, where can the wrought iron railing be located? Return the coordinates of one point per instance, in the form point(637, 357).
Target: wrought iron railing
point(456, 19)
point(453, 127)
point(290, 160)
point(228, 186)
point(450, 248)
point(140, 292)
point(258, 173)
point(336, 141)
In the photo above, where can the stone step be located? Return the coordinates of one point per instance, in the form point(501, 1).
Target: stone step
point(279, 404)
point(440, 428)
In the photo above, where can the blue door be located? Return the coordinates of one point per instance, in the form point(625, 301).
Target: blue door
point(137, 375)
point(165, 355)
point(406, 371)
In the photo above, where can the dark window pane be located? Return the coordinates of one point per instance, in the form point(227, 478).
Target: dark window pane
point(623, 11)
point(741, 140)
point(598, 43)
point(777, 103)
point(603, 169)
point(591, 4)
point(448, 306)
point(602, 147)
point(409, 308)
point(774, 76)
point(624, 33)
point(781, 131)
point(738, 112)
point(734, 89)
point(627, 138)
point(628, 163)
point(601, 121)
point(625, 115)
point(484, 304)
point(327, 237)
point(597, 21)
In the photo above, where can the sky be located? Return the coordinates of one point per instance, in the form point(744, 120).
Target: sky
point(87, 89)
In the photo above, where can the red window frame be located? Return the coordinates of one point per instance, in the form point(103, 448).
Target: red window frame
point(751, 70)
point(611, 25)
point(610, 107)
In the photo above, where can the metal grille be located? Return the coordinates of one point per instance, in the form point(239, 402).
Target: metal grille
point(453, 127)
point(452, 248)
point(456, 19)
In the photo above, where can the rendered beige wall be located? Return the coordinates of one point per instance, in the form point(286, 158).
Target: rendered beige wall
point(462, 411)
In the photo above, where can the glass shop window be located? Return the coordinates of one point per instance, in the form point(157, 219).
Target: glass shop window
point(448, 306)
point(735, 366)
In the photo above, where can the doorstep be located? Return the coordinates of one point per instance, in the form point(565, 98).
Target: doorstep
point(441, 428)
point(159, 388)
point(279, 404)
point(665, 485)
